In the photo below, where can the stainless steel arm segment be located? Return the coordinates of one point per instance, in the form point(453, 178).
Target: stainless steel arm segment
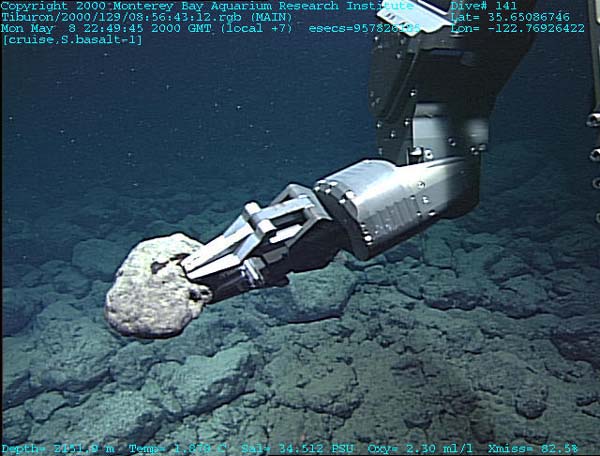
point(380, 204)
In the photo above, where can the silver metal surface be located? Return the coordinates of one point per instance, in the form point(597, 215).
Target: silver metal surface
point(379, 204)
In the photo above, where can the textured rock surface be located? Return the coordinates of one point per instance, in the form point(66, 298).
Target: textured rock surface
point(299, 380)
point(578, 338)
point(203, 383)
point(115, 419)
point(69, 355)
point(98, 258)
point(151, 296)
point(18, 308)
point(310, 296)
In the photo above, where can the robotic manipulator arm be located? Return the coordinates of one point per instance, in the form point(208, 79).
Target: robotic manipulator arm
point(431, 93)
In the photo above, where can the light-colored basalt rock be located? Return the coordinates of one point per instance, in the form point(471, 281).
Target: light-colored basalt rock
point(151, 297)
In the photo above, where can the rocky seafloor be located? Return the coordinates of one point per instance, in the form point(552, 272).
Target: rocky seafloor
point(483, 330)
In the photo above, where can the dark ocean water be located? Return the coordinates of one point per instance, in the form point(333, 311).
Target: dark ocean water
point(482, 330)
